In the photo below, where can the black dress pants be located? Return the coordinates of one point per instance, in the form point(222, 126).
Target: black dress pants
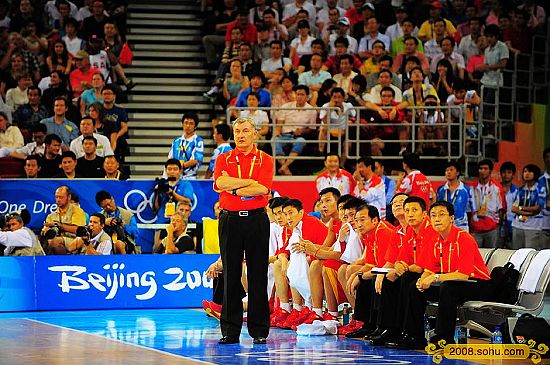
point(240, 236)
point(449, 295)
point(366, 303)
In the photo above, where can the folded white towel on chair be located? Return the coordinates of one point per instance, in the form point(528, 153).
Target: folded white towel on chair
point(518, 258)
point(534, 271)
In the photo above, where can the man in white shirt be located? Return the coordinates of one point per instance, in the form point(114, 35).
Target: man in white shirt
point(291, 10)
point(87, 129)
point(323, 14)
point(276, 61)
point(371, 34)
point(36, 147)
point(96, 241)
point(447, 52)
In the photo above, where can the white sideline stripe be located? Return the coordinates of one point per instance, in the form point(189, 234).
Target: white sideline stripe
point(123, 342)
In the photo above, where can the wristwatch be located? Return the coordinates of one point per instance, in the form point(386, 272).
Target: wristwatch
point(436, 278)
point(360, 275)
point(234, 192)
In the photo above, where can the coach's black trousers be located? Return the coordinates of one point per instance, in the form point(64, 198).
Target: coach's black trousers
point(242, 236)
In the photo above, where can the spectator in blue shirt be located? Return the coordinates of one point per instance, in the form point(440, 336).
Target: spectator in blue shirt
point(456, 193)
point(189, 148)
point(59, 124)
point(257, 81)
point(222, 132)
point(507, 172)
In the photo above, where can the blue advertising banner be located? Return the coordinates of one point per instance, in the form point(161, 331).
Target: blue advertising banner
point(135, 195)
point(104, 282)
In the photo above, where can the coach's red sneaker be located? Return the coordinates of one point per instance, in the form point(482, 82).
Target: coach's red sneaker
point(212, 309)
point(278, 317)
point(329, 317)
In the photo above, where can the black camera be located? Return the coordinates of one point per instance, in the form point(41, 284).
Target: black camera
point(84, 232)
point(53, 232)
point(163, 185)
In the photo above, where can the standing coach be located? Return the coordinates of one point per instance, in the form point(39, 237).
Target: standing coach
point(243, 177)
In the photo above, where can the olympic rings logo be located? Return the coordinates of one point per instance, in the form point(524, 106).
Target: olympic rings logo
point(144, 202)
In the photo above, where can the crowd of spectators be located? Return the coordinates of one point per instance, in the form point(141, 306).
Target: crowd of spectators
point(385, 56)
point(59, 65)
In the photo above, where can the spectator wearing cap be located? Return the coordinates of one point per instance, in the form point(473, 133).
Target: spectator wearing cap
point(342, 30)
point(95, 24)
point(81, 77)
point(395, 30)
point(372, 35)
point(323, 14)
point(447, 53)
point(290, 12)
point(427, 29)
point(249, 30)
point(355, 14)
point(275, 30)
point(411, 50)
point(358, 29)
point(408, 29)
point(214, 42)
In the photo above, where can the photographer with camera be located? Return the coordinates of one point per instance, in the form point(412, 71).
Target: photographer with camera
point(60, 226)
point(92, 239)
point(120, 224)
point(18, 240)
point(170, 191)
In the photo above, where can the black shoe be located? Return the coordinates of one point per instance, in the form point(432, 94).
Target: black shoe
point(377, 332)
point(130, 85)
point(361, 332)
point(227, 340)
point(408, 342)
point(383, 338)
point(259, 341)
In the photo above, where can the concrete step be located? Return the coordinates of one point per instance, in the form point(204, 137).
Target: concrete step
point(172, 64)
point(168, 106)
point(183, 55)
point(164, 47)
point(169, 71)
point(164, 8)
point(158, 151)
point(161, 23)
point(168, 98)
point(171, 80)
point(158, 142)
point(164, 31)
point(144, 88)
point(161, 16)
point(183, 39)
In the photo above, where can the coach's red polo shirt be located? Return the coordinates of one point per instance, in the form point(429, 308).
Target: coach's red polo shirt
point(256, 165)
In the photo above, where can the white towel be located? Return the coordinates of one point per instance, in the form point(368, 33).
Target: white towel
point(534, 271)
point(354, 247)
point(318, 328)
point(298, 268)
point(518, 258)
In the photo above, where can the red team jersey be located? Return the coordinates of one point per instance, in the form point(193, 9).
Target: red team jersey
point(415, 244)
point(343, 181)
point(312, 230)
point(397, 241)
point(458, 253)
point(376, 244)
point(416, 184)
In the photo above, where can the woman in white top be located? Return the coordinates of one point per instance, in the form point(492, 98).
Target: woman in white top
point(260, 116)
point(301, 45)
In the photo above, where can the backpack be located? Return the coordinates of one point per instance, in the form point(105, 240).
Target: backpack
point(527, 328)
point(504, 281)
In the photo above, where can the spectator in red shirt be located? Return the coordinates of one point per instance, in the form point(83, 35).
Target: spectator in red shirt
point(355, 13)
point(81, 78)
point(250, 34)
point(414, 183)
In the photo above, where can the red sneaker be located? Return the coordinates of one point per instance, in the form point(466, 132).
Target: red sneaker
point(278, 317)
point(291, 319)
point(329, 317)
point(215, 307)
point(308, 320)
point(211, 309)
point(350, 327)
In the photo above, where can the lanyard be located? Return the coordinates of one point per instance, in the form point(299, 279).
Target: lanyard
point(117, 175)
point(251, 167)
point(448, 196)
point(484, 194)
point(527, 197)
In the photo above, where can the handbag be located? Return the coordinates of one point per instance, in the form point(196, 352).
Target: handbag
point(126, 55)
point(504, 280)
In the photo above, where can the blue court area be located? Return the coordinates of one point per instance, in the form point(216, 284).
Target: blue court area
point(190, 334)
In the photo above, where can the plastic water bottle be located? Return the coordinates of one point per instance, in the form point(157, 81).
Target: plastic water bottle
point(345, 315)
point(426, 327)
point(461, 335)
point(496, 337)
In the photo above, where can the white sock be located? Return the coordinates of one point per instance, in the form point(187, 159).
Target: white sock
point(298, 307)
point(335, 314)
point(307, 303)
point(318, 311)
point(285, 306)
